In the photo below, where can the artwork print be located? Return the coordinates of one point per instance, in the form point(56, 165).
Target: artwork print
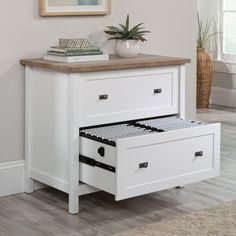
point(73, 2)
point(74, 7)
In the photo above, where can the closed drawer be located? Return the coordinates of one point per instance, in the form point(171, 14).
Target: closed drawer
point(128, 160)
point(130, 96)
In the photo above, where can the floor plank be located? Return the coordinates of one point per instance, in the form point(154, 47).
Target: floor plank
point(45, 211)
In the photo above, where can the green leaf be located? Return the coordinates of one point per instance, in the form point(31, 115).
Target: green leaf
point(110, 32)
point(123, 27)
point(136, 27)
point(127, 22)
point(112, 38)
point(143, 32)
point(113, 28)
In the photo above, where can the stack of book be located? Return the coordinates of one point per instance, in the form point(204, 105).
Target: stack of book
point(75, 54)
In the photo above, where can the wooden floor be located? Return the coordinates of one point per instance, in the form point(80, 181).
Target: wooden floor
point(45, 211)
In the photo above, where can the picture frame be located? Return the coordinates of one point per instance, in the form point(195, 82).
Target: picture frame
point(74, 7)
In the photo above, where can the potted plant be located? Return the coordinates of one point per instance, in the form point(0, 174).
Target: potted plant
point(127, 39)
point(206, 32)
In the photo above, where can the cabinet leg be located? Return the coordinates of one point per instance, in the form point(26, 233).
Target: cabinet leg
point(28, 182)
point(179, 187)
point(73, 204)
point(29, 185)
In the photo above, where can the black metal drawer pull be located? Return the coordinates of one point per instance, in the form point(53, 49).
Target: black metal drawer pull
point(143, 165)
point(157, 91)
point(103, 97)
point(199, 154)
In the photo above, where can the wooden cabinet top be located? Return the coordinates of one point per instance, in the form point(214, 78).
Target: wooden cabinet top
point(114, 63)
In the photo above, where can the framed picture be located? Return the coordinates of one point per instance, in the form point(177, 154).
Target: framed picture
point(74, 7)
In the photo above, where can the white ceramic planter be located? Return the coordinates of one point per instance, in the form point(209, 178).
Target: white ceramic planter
point(127, 48)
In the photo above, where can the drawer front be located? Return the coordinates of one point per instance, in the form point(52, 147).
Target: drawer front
point(166, 160)
point(130, 97)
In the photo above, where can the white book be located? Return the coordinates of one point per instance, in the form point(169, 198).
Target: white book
point(71, 59)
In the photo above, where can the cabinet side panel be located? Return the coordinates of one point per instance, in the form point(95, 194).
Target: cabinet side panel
point(49, 123)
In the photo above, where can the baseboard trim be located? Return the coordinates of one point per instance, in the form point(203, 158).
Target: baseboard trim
point(223, 97)
point(11, 178)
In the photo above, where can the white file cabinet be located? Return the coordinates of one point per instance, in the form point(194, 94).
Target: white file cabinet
point(117, 126)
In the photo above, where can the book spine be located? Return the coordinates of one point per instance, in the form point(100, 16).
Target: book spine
point(77, 58)
point(83, 49)
point(68, 50)
point(68, 54)
point(88, 58)
point(56, 53)
point(83, 53)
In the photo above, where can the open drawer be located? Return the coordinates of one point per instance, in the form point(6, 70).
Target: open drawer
point(141, 157)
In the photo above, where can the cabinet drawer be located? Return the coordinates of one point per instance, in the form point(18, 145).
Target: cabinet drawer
point(127, 97)
point(133, 159)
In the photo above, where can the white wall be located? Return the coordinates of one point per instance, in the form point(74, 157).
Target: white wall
point(224, 77)
point(207, 9)
point(24, 34)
